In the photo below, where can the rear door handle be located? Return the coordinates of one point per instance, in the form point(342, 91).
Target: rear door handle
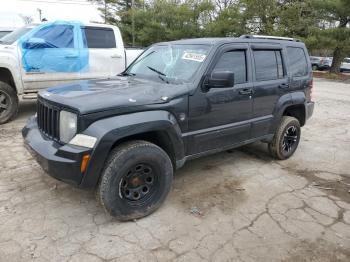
point(283, 86)
point(246, 91)
point(116, 56)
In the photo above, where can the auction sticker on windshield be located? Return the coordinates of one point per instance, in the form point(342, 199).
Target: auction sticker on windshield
point(193, 57)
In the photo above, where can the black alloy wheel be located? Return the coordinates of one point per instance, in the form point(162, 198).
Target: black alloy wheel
point(286, 139)
point(290, 139)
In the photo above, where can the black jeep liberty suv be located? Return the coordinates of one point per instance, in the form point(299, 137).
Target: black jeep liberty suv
point(177, 101)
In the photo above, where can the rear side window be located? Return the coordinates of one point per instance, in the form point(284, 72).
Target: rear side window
point(234, 61)
point(268, 65)
point(57, 36)
point(99, 37)
point(297, 61)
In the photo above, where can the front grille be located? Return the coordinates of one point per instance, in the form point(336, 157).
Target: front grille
point(48, 118)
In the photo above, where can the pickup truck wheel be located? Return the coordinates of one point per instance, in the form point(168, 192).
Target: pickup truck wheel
point(136, 180)
point(8, 103)
point(286, 138)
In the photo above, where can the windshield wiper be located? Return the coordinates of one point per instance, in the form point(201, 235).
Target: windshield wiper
point(157, 71)
point(160, 74)
point(126, 74)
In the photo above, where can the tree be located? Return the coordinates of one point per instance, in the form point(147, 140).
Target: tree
point(297, 18)
point(322, 24)
point(170, 20)
point(334, 21)
point(260, 16)
point(121, 13)
point(161, 20)
point(228, 22)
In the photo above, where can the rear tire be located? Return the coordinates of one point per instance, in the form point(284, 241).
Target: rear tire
point(8, 103)
point(135, 181)
point(286, 139)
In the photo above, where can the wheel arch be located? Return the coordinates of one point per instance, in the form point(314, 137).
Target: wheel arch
point(291, 104)
point(158, 127)
point(297, 111)
point(7, 77)
point(158, 137)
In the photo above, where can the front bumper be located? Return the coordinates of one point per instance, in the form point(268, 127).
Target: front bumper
point(62, 162)
point(309, 109)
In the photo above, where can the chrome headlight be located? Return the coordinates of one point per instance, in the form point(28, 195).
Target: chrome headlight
point(68, 126)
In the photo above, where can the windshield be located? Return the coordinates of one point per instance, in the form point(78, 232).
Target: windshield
point(177, 63)
point(15, 35)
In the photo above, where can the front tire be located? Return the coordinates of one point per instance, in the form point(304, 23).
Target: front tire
point(286, 139)
point(136, 180)
point(8, 103)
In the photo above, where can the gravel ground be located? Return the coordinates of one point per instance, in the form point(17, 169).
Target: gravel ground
point(239, 205)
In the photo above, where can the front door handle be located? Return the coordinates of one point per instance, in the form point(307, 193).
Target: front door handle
point(246, 91)
point(72, 56)
point(116, 56)
point(283, 86)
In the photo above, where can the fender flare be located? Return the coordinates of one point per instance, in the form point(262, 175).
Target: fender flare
point(290, 99)
point(298, 98)
point(111, 130)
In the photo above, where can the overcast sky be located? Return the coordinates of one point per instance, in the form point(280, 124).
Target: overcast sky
point(81, 10)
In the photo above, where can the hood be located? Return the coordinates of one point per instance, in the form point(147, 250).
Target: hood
point(104, 94)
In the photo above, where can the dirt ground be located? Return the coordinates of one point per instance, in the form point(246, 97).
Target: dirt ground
point(239, 205)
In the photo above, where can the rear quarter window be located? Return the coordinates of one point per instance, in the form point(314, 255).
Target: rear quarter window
point(99, 37)
point(297, 61)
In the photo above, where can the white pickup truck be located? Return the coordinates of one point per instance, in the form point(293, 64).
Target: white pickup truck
point(40, 56)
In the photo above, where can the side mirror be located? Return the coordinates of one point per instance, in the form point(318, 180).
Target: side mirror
point(220, 79)
point(35, 43)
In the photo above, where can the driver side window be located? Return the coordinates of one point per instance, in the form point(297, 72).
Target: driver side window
point(236, 62)
point(57, 36)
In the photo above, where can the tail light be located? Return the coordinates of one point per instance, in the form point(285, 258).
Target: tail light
point(311, 86)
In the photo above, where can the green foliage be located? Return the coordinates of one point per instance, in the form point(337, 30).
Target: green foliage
point(322, 24)
point(297, 18)
point(260, 15)
point(333, 31)
point(229, 22)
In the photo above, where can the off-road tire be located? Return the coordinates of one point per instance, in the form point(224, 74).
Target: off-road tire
point(276, 145)
point(122, 159)
point(7, 95)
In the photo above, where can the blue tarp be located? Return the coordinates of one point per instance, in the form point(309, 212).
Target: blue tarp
point(55, 47)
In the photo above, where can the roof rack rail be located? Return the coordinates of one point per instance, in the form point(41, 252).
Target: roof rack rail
point(269, 37)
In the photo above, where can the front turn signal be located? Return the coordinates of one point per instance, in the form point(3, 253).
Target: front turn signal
point(84, 163)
